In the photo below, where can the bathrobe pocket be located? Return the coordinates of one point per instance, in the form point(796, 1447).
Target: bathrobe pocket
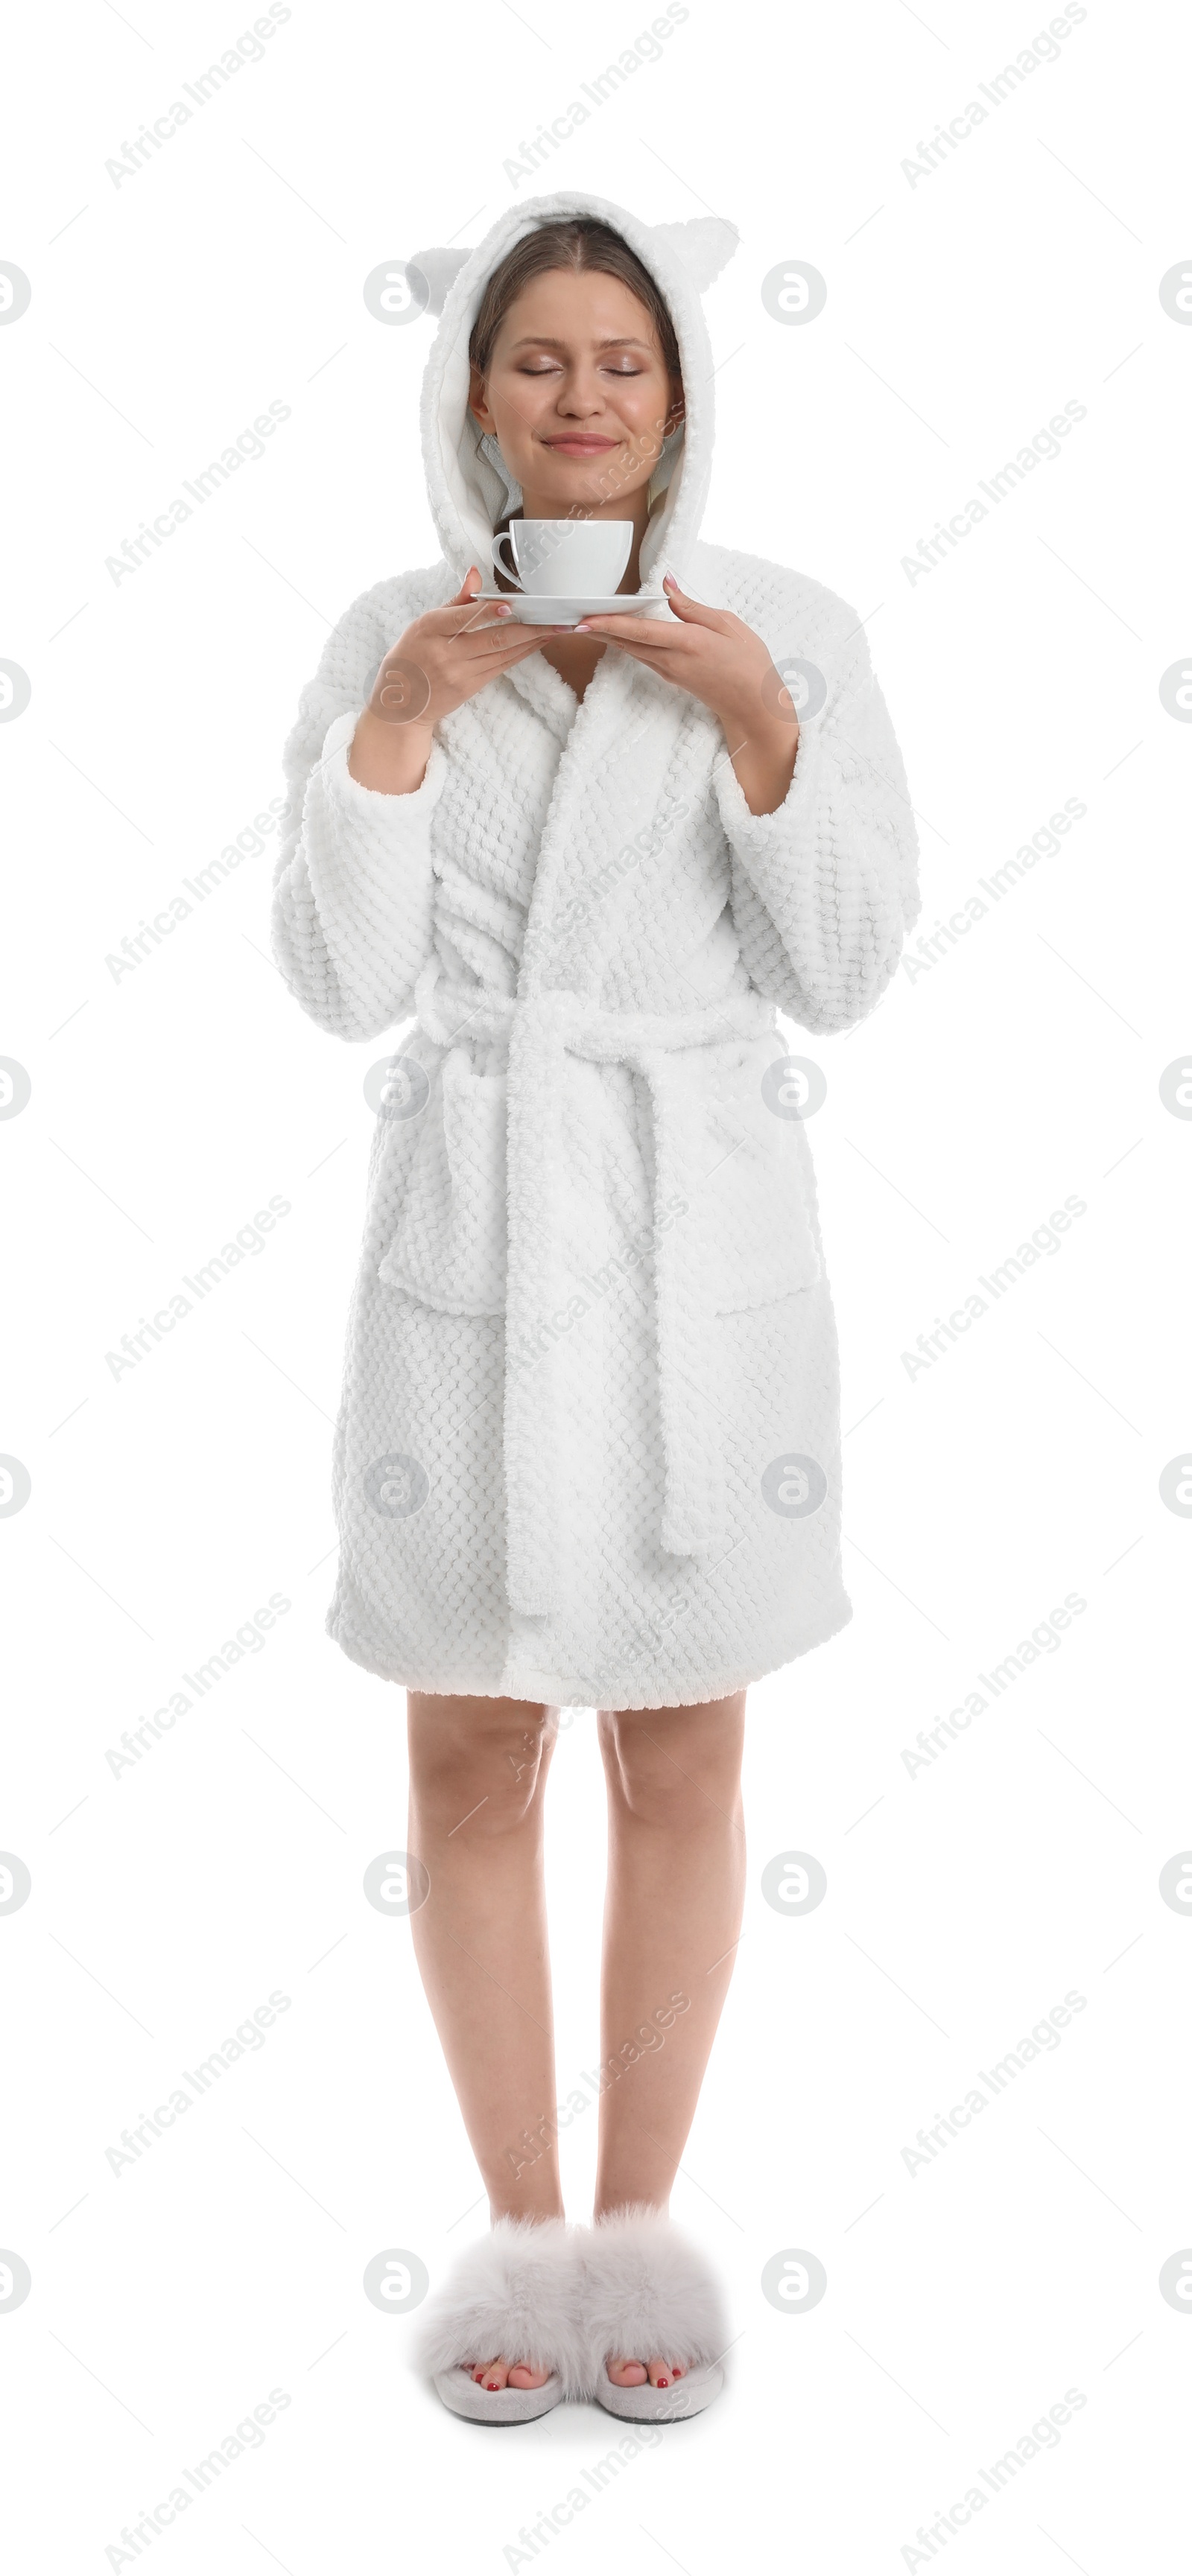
point(761, 1235)
point(448, 1244)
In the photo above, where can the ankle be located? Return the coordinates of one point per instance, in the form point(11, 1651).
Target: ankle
point(535, 2214)
point(609, 2204)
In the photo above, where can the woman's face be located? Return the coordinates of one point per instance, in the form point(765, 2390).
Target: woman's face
point(577, 395)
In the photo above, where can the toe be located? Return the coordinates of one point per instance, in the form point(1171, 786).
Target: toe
point(661, 2373)
point(494, 2373)
point(626, 2374)
point(521, 2376)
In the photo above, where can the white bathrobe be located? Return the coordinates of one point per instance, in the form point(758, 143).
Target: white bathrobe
point(588, 1450)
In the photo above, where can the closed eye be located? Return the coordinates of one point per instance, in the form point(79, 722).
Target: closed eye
point(550, 369)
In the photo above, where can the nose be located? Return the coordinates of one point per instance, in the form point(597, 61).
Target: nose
point(581, 394)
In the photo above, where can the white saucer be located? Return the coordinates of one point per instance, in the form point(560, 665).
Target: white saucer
point(532, 609)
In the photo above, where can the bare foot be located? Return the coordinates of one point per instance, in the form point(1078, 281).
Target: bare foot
point(634, 2374)
point(503, 2374)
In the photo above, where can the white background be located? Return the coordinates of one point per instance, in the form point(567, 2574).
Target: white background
point(965, 1898)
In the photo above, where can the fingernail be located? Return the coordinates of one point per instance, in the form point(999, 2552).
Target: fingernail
point(669, 582)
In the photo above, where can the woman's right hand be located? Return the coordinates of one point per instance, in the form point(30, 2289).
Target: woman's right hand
point(442, 659)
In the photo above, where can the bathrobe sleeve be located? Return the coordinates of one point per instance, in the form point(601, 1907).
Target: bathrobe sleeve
point(824, 889)
point(353, 885)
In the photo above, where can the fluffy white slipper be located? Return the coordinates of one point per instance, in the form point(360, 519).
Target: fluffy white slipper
point(515, 2292)
point(646, 2291)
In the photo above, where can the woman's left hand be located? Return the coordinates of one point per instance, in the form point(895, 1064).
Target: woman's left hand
point(718, 659)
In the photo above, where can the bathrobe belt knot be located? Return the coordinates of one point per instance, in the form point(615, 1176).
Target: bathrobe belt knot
point(677, 1055)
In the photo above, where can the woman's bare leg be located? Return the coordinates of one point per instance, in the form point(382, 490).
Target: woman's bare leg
point(676, 1889)
point(477, 1773)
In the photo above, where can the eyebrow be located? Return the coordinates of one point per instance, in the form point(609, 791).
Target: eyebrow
point(542, 340)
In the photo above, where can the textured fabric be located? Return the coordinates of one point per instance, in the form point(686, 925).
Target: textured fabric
point(646, 2291)
point(516, 2294)
point(588, 1449)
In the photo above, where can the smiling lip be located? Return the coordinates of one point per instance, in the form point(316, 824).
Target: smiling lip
point(580, 446)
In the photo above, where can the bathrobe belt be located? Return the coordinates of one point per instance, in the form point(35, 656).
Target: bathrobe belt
point(668, 1050)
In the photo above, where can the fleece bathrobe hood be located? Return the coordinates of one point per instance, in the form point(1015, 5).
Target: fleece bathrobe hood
point(469, 487)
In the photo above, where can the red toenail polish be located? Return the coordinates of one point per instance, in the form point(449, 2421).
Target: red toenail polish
point(664, 2383)
point(490, 2383)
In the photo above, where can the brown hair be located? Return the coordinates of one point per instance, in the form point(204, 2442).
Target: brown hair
point(580, 242)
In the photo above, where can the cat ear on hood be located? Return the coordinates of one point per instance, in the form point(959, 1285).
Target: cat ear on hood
point(703, 245)
point(439, 270)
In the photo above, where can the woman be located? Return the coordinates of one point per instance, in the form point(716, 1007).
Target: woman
point(588, 1452)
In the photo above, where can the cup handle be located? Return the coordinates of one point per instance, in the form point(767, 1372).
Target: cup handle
point(510, 570)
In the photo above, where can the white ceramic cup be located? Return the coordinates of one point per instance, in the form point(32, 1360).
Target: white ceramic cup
point(565, 558)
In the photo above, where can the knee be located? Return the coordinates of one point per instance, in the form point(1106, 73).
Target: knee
point(674, 1785)
point(479, 1764)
